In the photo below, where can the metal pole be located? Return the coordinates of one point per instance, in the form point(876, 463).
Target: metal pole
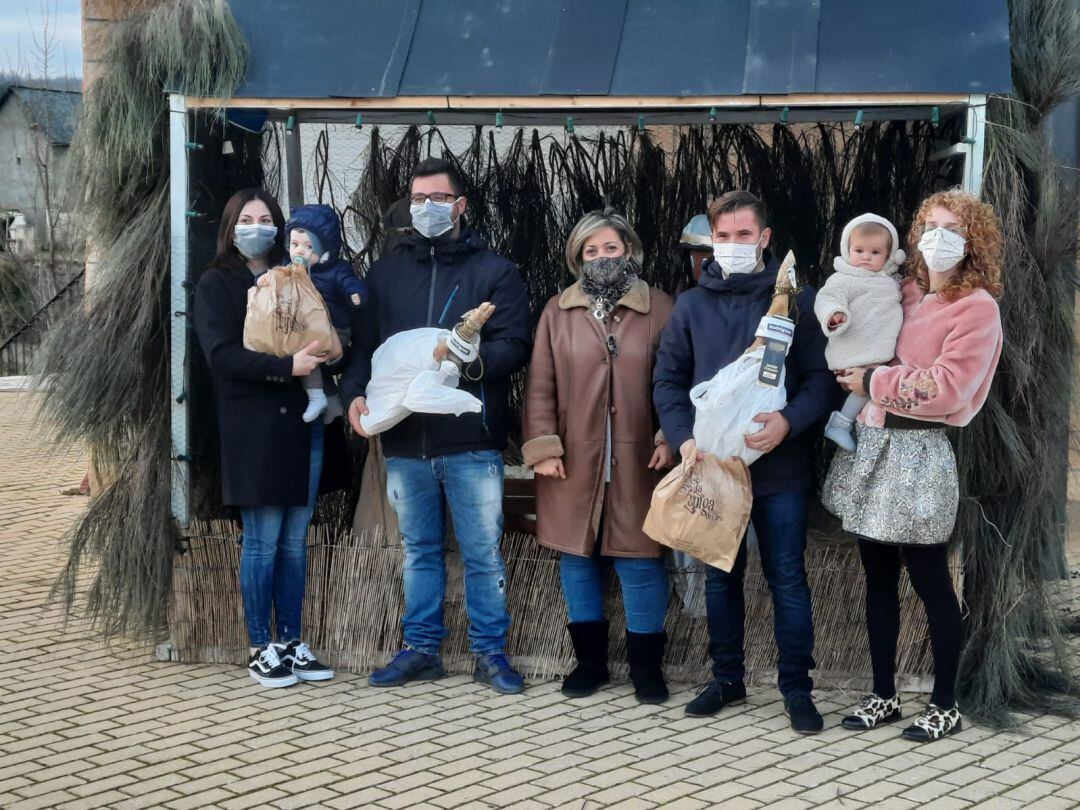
point(975, 137)
point(178, 305)
point(294, 166)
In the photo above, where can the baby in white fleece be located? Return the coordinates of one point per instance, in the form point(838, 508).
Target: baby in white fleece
point(859, 309)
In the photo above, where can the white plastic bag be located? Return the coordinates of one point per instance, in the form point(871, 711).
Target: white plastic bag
point(406, 378)
point(725, 407)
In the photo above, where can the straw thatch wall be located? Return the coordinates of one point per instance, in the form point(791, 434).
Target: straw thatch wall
point(354, 604)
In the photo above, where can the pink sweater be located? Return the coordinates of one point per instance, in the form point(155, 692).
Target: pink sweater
point(946, 355)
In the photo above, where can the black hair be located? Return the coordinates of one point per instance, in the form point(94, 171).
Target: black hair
point(227, 255)
point(432, 166)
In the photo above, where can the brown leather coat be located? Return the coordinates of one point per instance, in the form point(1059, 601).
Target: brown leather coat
point(574, 386)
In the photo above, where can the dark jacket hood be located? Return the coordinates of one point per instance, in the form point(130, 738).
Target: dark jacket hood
point(448, 249)
point(712, 278)
point(321, 220)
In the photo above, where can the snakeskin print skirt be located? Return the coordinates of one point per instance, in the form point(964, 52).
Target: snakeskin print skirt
point(899, 486)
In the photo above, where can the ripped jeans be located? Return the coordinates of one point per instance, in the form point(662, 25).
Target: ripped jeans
point(471, 484)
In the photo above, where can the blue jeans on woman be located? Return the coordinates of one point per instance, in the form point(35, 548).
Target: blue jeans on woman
point(644, 589)
point(273, 558)
point(471, 484)
point(780, 523)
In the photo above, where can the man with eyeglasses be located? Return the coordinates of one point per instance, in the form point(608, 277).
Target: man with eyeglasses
point(431, 278)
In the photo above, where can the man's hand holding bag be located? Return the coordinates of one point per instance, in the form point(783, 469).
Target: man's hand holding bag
point(702, 508)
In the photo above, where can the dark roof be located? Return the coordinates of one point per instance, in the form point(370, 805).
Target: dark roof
point(54, 111)
point(387, 48)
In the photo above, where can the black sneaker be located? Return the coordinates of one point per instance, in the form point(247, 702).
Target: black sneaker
point(297, 657)
point(265, 667)
point(715, 696)
point(805, 718)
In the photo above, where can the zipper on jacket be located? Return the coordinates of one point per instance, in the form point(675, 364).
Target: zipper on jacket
point(430, 313)
point(483, 410)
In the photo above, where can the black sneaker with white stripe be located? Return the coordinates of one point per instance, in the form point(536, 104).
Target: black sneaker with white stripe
point(265, 667)
point(297, 657)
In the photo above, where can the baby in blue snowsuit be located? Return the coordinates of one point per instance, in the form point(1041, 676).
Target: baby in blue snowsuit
point(313, 233)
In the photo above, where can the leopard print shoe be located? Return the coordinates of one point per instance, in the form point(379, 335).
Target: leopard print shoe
point(873, 710)
point(933, 723)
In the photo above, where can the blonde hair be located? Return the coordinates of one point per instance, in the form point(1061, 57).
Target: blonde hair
point(872, 229)
point(593, 222)
point(981, 267)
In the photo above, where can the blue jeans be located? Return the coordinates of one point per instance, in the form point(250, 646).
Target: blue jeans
point(471, 483)
point(644, 589)
point(273, 558)
point(780, 523)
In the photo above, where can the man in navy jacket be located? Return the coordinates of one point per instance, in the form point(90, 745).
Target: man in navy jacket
point(711, 325)
point(432, 278)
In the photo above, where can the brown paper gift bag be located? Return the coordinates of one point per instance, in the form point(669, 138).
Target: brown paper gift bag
point(287, 314)
point(702, 508)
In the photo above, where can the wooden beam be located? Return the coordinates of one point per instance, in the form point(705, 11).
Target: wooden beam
point(584, 102)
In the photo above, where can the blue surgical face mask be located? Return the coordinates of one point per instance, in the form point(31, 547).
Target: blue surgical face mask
point(254, 241)
point(432, 219)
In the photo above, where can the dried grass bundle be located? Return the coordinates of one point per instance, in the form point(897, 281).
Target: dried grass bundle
point(1013, 456)
point(105, 369)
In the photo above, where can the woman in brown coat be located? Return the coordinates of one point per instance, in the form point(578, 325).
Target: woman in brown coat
point(589, 426)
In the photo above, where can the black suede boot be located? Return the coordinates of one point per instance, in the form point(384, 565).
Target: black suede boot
point(645, 653)
point(591, 650)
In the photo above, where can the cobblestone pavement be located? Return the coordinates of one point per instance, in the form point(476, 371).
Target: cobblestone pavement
point(87, 725)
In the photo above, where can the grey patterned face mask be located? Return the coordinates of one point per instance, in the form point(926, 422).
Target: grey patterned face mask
point(605, 281)
point(605, 271)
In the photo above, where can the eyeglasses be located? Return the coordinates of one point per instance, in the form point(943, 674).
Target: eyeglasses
point(435, 197)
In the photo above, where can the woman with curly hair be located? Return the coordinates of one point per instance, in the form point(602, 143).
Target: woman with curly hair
point(898, 491)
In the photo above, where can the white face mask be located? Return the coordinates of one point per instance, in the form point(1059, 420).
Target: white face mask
point(433, 219)
point(254, 240)
point(735, 257)
point(942, 249)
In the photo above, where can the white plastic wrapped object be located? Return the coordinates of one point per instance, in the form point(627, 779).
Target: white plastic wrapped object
point(406, 378)
point(725, 407)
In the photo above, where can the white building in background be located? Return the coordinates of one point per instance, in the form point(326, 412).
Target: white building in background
point(35, 124)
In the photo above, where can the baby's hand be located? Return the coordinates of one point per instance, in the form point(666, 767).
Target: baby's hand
point(836, 320)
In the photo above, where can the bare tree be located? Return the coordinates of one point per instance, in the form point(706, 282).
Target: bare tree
point(44, 174)
point(44, 53)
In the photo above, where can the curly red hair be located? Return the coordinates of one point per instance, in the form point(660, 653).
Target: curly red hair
point(981, 267)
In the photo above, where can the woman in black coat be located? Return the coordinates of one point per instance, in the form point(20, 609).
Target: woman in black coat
point(271, 459)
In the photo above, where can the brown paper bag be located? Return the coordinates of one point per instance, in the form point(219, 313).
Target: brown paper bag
point(702, 508)
point(287, 314)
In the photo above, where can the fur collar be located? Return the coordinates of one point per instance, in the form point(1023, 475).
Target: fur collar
point(636, 298)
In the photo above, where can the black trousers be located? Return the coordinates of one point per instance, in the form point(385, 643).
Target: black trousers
point(928, 569)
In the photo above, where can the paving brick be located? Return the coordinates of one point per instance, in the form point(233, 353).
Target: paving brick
point(106, 726)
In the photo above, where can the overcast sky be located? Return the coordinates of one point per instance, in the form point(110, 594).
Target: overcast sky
point(21, 19)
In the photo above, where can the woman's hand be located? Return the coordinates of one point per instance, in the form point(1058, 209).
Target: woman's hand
point(837, 319)
point(305, 360)
point(689, 450)
point(662, 457)
point(851, 379)
point(550, 468)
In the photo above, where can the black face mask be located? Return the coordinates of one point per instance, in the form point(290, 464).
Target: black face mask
point(605, 281)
